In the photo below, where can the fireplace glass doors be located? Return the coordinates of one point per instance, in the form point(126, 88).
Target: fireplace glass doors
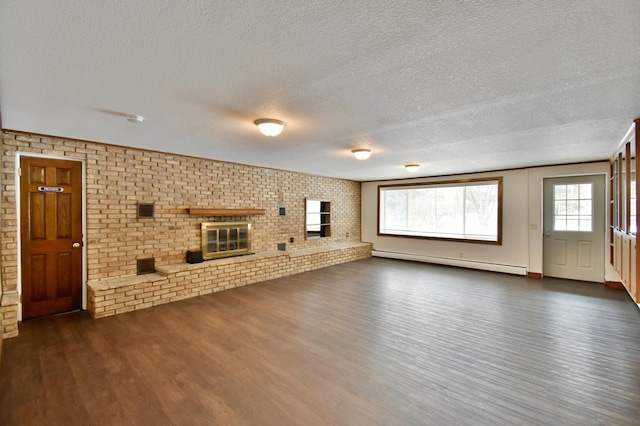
point(225, 239)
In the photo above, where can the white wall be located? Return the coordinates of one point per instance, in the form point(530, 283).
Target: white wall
point(521, 249)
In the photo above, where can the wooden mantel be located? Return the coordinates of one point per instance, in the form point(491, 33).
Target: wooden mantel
point(203, 211)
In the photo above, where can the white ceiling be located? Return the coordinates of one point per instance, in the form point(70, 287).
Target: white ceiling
point(455, 85)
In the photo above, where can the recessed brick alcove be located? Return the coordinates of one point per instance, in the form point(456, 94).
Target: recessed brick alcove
point(171, 283)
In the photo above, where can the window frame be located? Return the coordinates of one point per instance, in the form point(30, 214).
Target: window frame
point(455, 183)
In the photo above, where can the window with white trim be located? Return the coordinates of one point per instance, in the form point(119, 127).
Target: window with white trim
point(456, 210)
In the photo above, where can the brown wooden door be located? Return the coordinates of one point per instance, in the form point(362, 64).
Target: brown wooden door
point(51, 233)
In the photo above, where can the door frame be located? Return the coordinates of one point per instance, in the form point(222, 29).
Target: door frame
point(19, 156)
point(605, 213)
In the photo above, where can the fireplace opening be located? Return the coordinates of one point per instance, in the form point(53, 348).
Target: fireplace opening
point(225, 239)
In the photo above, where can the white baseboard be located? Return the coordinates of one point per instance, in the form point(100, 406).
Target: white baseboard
point(485, 266)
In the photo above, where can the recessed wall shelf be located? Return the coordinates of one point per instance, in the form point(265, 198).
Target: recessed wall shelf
point(318, 213)
point(203, 211)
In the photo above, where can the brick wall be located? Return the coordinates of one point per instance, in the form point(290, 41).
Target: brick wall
point(9, 315)
point(117, 178)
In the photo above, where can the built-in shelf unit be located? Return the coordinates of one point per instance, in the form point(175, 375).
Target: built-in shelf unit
point(623, 208)
point(318, 218)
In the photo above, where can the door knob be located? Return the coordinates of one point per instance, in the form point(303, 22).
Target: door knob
point(75, 245)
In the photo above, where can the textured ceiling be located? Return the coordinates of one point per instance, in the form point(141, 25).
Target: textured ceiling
point(457, 86)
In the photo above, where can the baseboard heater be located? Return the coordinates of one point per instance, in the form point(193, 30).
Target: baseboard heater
point(485, 266)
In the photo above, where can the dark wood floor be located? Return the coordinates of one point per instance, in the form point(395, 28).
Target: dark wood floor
point(376, 341)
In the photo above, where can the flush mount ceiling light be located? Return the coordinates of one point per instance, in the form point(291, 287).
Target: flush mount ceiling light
point(270, 126)
point(362, 154)
point(412, 167)
point(135, 119)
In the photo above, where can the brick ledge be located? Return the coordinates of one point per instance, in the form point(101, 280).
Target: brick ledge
point(163, 271)
point(171, 283)
point(9, 298)
point(323, 249)
point(9, 314)
point(180, 267)
point(117, 282)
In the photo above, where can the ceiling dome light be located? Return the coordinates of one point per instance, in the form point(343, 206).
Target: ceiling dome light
point(412, 168)
point(362, 154)
point(135, 119)
point(270, 126)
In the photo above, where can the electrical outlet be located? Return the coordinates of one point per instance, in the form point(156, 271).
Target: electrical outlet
point(292, 240)
point(347, 235)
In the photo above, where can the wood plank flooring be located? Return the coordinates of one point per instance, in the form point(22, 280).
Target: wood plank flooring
point(371, 342)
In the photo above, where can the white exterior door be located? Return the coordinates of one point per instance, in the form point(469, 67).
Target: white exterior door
point(574, 227)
